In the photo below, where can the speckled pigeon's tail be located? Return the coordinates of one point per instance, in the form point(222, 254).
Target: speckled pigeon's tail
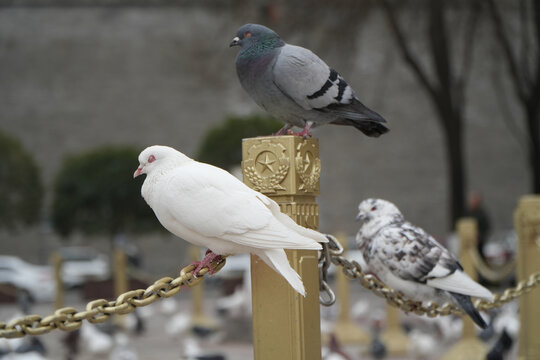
point(466, 304)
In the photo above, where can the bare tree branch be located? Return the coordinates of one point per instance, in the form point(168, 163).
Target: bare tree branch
point(440, 46)
point(405, 51)
point(524, 44)
point(509, 118)
point(463, 73)
point(535, 84)
point(521, 88)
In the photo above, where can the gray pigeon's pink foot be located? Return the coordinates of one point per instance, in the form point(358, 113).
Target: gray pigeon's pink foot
point(206, 262)
point(304, 133)
point(284, 130)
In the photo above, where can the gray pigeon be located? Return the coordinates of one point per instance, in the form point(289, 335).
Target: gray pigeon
point(409, 260)
point(296, 86)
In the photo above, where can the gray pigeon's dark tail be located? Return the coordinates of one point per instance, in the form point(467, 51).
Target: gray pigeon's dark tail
point(466, 304)
point(372, 129)
point(357, 115)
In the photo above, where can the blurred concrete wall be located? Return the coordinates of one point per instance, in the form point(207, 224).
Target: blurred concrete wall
point(75, 77)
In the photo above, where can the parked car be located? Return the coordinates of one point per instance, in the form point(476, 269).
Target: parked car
point(81, 263)
point(33, 280)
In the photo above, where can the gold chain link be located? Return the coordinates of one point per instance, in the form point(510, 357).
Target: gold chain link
point(98, 311)
point(353, 270)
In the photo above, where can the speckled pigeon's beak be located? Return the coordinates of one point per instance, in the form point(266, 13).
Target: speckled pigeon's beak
point(235, 42)
point(361, 217)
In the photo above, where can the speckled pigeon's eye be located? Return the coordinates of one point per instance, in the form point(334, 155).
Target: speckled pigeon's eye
point(373, 208)
point(151, 159)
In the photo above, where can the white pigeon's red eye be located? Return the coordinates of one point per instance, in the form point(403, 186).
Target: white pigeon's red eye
point(151, 159)
point(247, 34)
point(373, 208)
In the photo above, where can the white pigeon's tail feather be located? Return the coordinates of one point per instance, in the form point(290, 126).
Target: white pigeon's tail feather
point(277, 260)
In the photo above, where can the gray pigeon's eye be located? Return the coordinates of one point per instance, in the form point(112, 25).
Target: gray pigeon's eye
point(373, 208)
point(247, 34)
point(151, 159)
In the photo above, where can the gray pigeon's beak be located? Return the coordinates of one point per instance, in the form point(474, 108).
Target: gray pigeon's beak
point(138, 171)
point(235, 42)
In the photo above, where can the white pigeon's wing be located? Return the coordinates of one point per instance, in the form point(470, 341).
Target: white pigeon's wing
point(412, 254)
point(213, 203)
point(305, 78)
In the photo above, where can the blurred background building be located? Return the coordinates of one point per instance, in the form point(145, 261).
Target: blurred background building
point(75, 76)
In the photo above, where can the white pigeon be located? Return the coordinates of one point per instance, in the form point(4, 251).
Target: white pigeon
point(411, 261)
point(209, 207)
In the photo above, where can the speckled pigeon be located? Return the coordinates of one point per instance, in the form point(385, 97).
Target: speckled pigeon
point(411, 261)
point(209, 207)
point(295, 85)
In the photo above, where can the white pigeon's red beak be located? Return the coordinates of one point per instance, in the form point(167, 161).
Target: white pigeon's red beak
point(138, 171)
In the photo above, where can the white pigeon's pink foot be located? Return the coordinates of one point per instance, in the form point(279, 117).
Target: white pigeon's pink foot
point(206, 262)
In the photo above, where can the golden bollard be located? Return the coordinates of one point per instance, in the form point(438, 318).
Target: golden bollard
point(527, 225)
point(286, 326)
point(56, 262)
point(393, 336)
point(120, 279)
point(346, 331)
point(469, 347)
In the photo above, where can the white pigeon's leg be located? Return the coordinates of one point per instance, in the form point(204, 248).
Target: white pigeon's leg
point(283, 130)
point(206, 262)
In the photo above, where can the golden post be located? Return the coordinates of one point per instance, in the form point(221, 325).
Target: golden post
point(56, 261)
point(527, 224)
point(286, 326)
point(469, 347)
point(120, 278)
point(346, 331)
point(393, 336)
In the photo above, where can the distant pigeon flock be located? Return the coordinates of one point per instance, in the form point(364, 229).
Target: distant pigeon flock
point(209, 207)
point(411, 261)
point(294, 85)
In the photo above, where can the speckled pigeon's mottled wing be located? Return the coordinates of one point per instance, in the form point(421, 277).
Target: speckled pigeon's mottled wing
point(412, 254)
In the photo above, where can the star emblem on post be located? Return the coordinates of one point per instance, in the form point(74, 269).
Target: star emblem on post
point(266, 161)
point(266, 166)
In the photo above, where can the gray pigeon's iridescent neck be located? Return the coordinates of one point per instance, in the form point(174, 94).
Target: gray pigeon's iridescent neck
point(262, 47)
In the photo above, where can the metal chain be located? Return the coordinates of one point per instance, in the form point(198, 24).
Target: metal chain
point(353, 270)
point(329, 249)
point(98, 311)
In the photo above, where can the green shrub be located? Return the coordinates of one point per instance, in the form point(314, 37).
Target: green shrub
point(21, 190)
point(95, 193)
point(222, 145)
